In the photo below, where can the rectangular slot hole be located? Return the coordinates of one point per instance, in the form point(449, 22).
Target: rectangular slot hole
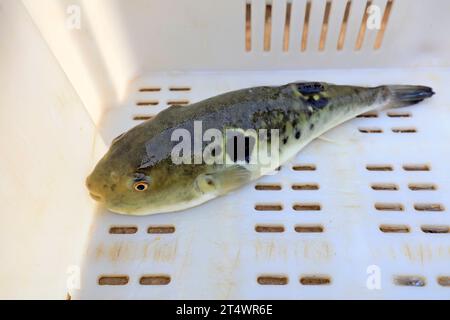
point(160, 229)
point(123, 230)
point(147, 103)
point(343, 31)
point(307, 207)
point(248, 27)
point(142, 117)
point(390, 228)
point(444, 281)
point(287, 27)
point(384, 186)
point(181, 88)
point(269, 228)
point(404, 130)
point(435, 229)
point(324, 31)
point(389, 206)
point(409, 281)
point(315, 280)
point(416, 167)
point(306, 26)
point(268, 187)
point(422, 186)
point(309, 228)
point(368, 115)
point(267, 27)
point(268, 207)
point(370, 130)
point(379, 167)
point(362, 28)
point(397, 114)
point(113, 280)
point(384, 22)
point(276, 280)
point(433, 207)
point(304, 167)
point(305, 186)
point(154, 280)
point(177, 102)
point(150, 89)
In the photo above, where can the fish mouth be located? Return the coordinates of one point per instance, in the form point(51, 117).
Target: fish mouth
point(96, 197)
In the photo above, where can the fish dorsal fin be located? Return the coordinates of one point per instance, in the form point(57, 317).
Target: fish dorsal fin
point(309, 87)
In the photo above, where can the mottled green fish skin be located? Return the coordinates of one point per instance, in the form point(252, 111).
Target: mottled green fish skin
point(300, 111)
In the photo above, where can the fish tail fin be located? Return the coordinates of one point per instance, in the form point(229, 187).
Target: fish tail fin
point(405, 95)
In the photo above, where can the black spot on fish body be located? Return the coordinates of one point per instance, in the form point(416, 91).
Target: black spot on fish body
point(311, 126)
point(297, 134)
point(285, 140)
point(319, 103)
point(309, 87)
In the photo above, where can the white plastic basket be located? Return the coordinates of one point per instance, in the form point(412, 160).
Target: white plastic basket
point(360, 213)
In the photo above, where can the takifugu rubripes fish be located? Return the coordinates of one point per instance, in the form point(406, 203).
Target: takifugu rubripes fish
point(142, 172)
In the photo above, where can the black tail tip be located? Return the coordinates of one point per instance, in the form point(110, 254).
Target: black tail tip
point(410, 93)
point(426, 91)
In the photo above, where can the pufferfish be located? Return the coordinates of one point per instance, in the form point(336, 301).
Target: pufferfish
point(139, 175)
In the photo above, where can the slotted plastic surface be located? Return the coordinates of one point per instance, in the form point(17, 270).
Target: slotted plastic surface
point(326, 240)
point(370, 198)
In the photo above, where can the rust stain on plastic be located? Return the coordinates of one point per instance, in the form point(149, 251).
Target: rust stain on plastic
point(421, 253)
point(270, 250)
point(317, 251)
point(162, 251)
point(120, 251)
point(157, 250)
point(99, 251)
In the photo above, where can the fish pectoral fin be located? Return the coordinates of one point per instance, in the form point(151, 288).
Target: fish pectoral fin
point(206, 183)
point(223, 180)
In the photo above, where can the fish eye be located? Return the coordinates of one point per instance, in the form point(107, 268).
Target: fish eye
point(140, 186)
